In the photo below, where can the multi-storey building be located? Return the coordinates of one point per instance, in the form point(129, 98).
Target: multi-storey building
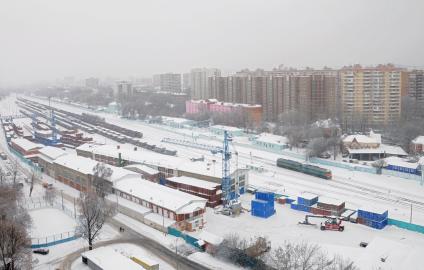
point(123, 88)
point(372, 94)
point(170, 82)
point(416, 85)
point(199, 82)
point(186, 83)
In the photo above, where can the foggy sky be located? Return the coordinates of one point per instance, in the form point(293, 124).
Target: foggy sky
point(49, 39)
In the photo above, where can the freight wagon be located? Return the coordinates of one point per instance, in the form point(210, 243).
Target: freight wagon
point(304, 168)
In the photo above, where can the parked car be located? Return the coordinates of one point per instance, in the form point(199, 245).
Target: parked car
point(3, 156)
point(324, 155)
point(42, 251)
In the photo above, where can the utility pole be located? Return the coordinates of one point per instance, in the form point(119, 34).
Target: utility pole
point(410, 217)
point(61, 191)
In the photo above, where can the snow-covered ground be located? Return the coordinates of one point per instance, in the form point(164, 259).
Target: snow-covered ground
point(43, 225)
point(356, 188)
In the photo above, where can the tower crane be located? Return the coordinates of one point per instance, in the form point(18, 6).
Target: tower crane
point(227, 199)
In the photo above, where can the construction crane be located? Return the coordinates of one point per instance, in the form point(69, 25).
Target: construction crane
point(226, 173)
point(331, 223)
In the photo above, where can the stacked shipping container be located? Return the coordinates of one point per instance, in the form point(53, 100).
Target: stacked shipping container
point(374, 218)
point(329, 207)
point(304, 202)
point(263, 204)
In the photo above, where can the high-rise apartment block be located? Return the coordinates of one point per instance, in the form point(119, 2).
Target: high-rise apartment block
point(199, 81)
point(416, 85)
point(170, 82)
point(372, 94)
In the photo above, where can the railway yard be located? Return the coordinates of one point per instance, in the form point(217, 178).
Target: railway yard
point(309, 203)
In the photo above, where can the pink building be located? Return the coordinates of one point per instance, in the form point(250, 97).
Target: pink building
point(253, 112)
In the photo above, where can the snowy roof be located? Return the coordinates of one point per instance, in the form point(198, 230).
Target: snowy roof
point(128, 204)
point(383, 149)
point(194, 182)
point(51, 153)
point(373, 209)
point(271, 138)
point(210, 238)
point(395, 254)
point(151, 158)
point(86, 166)
point(175, 119)
point(308, 195)
point(227, 128)
point(143, 168)
point(109, 259)
point(329, 200)
point(160, 195)
point(400, 162)
point(418, 140)
point(361, 138)
point(26, 144)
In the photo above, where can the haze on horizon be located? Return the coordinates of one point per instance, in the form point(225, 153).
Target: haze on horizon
point(50, 39)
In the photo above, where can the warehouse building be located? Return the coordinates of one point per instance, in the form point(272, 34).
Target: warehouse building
point(168, 166)
point(184, 209)
point(46, 157)
point(207, 190)
point(25, 147)
point(78, 172)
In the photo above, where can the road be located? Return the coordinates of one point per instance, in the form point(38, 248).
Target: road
point(132, 237)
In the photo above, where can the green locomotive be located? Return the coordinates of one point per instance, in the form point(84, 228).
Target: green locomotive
point(304, 168)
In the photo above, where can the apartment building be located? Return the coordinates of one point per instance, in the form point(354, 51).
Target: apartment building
point(372, 94)
point(199, 82)
point(416, 85)
point(170, 82)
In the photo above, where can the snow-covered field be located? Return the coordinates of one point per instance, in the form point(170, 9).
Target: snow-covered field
point(50, 221)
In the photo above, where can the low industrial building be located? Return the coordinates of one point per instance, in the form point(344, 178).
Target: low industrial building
point(78, 172)
point(185, 209)
point(46, 157)
point(207, 190)
point(169, 166)
point(232, 131)
point(25, 147)
point(271, 142)
point(147, 172)
point(402, 165)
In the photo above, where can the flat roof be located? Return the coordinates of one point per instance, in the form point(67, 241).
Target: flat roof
point(150, 158)
point(169, 198)
point(25, 144)
point(143, 168)
point(194, 182)
point(271, 138)
point(86, 166)
point(329, 200)
point(228, 128)
point(308, 195)
point(52, 152)
point(109, 259)
point(400, 162)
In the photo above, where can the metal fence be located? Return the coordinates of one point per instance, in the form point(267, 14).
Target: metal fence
point(53, 239)
point(406, 225)
point(187, 238)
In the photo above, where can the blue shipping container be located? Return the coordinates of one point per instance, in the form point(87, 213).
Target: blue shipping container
point(261, 205)
point(263, 214)
point(300, 207)
point(308, 202)
point(373, 216)
point(264, 195)
point(289, 201)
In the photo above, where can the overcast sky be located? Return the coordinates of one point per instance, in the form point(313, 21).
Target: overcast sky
point(49, 39)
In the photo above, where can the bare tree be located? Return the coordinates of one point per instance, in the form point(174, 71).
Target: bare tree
point(317, 146)
point(304, 256)
point(50, 195)
point(100, 173)
point(13, 168)
point(2, 175)
point(13, 244)
point(94, 212)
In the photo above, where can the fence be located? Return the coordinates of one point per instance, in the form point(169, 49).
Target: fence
point(406, 225)
point(189, 239)
point(45, 204)
point(401, 174)
point(54, 239)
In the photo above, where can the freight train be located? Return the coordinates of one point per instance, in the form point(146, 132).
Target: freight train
point(304, 168)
